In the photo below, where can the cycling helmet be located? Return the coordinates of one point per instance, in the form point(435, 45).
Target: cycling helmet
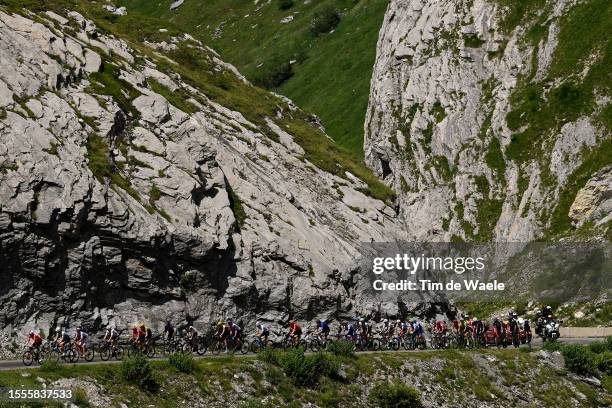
point(31, 333)
point(385, 321)
point(291, 321)
point(398, 321)
point(362, 320)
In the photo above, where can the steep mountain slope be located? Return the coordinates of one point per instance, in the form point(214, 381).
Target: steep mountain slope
point(491, 119)
point(145, 180)
point(330, 73)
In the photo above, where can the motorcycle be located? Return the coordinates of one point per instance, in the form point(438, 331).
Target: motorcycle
point(551, 331)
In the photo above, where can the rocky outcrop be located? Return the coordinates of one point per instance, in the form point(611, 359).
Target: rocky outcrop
point(447, 76)
point(117, 206)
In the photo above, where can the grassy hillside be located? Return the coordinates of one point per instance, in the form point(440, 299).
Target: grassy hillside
point(330, 74)
point(443, 378)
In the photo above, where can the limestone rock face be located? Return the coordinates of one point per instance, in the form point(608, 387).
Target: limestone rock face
point(436, 129)
point(115, 212)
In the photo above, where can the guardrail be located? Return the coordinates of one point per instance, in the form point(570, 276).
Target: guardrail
point(586, 331)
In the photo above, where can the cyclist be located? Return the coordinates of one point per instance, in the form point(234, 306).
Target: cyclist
point(64, 340)
point(107, 335)
point(134, 334)
point(36, 341)
point(417, 330)
point(322, 328)
point(350, 331)
point(168, 331)
point(192, 337)
point(403, 328)
point(235, 331)
point(262, 331)
point(363, 328)
point(148, 336)
point(295, 331)
point(81, 340)
point(141, 333)
point(387, 328)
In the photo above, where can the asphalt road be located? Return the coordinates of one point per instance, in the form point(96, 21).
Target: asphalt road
point(537, 343)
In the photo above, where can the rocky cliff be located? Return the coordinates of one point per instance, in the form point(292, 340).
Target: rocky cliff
point(491, 119)
point(129, 191)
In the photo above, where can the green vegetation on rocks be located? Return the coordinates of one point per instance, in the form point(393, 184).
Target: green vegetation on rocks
point(252, 38)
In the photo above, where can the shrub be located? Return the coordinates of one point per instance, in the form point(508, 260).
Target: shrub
point(598, 347)
point(273, 74)
point(394, 395)
point(324, 21)
point(182, 362)
point(604, 362)
point(137, 370)
point(552, 346)
point(285, 4)
point(306, 370)
point(342, 348)
point(579, 359)
point(268, 355)
point(298, 367)
point(80, 398)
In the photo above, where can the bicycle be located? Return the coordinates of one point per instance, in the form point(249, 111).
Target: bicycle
point(258, 344)
point(30, 355)
point(109, 350)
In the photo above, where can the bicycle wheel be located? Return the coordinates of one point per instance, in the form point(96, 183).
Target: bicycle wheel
point(27, 358)
point(201, 347)
point(314, 346)
point(73, 356)
point(394, 344)
point(256, 346)
point(105, 353)
point(244, 347)
point(89, 355)
point(118, 353)
point(150, 351)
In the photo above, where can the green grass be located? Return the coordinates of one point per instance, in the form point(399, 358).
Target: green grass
point(178, 98)
point(222, 86)
point(331, 76)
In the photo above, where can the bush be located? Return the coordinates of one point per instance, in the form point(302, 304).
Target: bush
point(342, 348)
point(268, 355)
point(273, 74)
point(394, 395)
point(285, 4)
point(598, 347)
point(552, 346)
point(298, 367)
point(306, 370)
point(182, 362)
point(579, 359)
point(604, 362)
point(137, 370)
point(324, 21)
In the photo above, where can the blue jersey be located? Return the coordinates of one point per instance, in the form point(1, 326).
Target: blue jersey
point(351, 330)
point(324, 326)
